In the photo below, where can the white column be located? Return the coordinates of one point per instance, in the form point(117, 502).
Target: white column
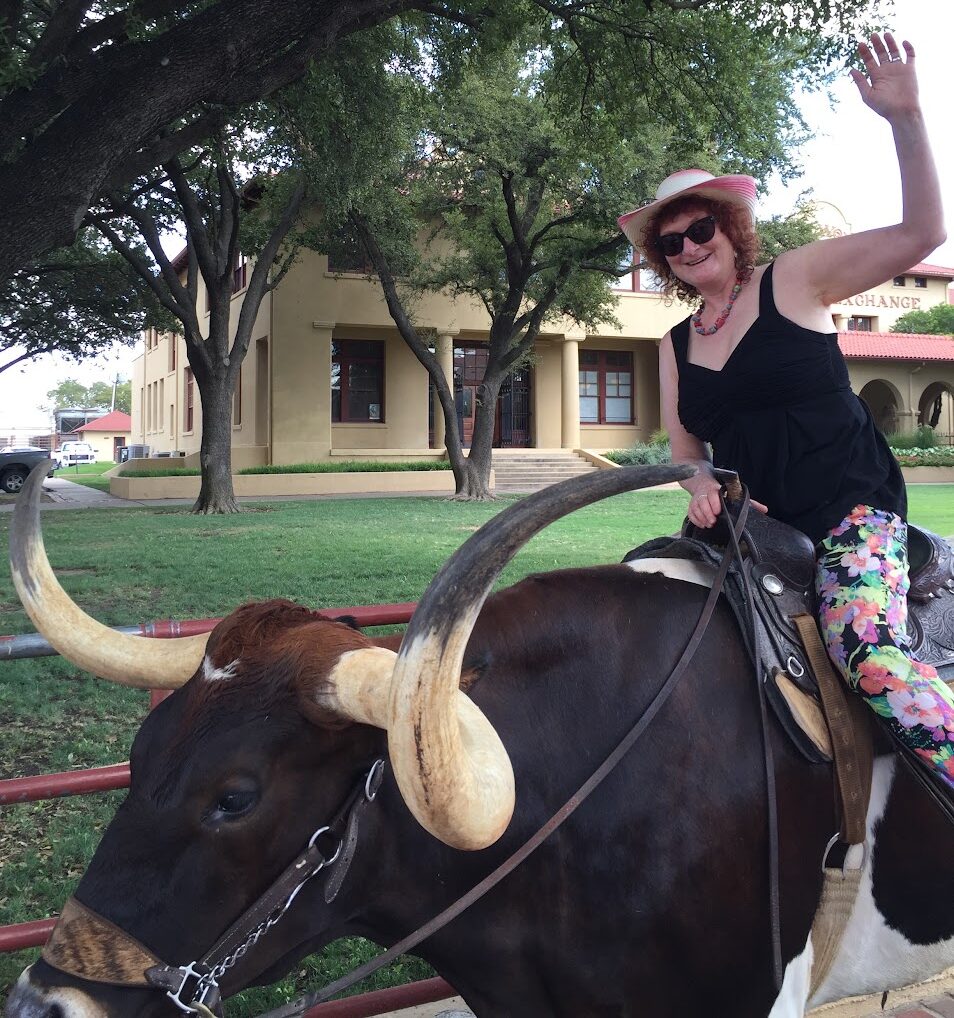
point(570, 381)
point(444, 348)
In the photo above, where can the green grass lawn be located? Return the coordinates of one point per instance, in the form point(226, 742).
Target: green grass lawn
point(130, 565)
point(89, 474)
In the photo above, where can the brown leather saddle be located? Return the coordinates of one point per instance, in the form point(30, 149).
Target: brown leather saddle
point(779, 566)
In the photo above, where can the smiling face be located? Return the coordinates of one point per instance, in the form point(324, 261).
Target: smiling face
point(708, 267)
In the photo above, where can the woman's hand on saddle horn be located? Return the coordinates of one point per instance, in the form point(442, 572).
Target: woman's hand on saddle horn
point(704, 502)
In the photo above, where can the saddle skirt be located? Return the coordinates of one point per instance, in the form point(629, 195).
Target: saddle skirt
point(778, 562)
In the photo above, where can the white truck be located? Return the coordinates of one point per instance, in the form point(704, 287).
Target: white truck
point(71, 453)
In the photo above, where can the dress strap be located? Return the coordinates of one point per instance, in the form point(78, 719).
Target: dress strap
point(767, 306)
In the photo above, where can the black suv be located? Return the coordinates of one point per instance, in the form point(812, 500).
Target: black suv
point(15, 467)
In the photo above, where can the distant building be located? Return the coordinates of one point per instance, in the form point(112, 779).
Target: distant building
point(327, 374)
point(107, 434)
point(67, 419)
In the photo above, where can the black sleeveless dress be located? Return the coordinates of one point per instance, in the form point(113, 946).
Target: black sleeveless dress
point(781, 412)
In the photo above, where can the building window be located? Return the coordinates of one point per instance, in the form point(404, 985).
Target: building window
point(606, 387)
point(188, 420)
point(859, 324)
point(920, 282)
point(239, 273)
point(900, 281)
point(636, 279)
point(626, 281)
point(237, 402)
point(173, 343)
point(648, 282)
point(357, 381)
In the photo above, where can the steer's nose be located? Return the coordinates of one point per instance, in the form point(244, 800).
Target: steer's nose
point(29, 1001)
point(26, 1002)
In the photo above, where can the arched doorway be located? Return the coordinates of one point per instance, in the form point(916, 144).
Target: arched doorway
point(936, 408)
point(885, 404)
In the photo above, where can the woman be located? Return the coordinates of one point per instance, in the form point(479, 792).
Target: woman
point(757, 373)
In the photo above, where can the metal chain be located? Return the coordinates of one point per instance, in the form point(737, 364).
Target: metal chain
point(208, 981)
point(212, 977)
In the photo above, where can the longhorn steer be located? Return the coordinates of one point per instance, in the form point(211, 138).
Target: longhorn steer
point(652, 899)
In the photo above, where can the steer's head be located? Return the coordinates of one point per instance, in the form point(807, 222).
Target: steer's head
point(231, 775)
point(279, 717)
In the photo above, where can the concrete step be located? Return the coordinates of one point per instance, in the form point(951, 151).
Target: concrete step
point(521, 471)
point(531, 468)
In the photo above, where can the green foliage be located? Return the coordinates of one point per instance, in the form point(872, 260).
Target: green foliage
point(923, 437)
point(323, 467)
point(936, 321)
point(76, 301)
point(71, 393)
point(936, 457)
point(784, 233)
point(348, 467)
point(642, 453)
point(162, 472)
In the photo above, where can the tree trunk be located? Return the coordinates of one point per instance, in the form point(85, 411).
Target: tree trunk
point(473, 477)
point(216, 494)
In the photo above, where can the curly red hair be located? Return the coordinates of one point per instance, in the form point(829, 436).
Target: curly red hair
point(734, 221)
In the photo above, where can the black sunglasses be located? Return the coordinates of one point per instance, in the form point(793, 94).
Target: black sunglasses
point(698, 232)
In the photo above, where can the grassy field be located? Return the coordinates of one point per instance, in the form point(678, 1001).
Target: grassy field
point(90, 474)
point(125, 566)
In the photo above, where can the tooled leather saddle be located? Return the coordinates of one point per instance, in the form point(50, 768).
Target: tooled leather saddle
point(779, 562)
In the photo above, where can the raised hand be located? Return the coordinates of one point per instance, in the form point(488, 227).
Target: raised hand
point(889, 85)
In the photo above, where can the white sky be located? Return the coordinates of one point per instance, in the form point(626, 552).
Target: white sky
point(850, 162)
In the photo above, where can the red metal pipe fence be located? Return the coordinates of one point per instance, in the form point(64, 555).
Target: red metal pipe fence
point(20, 936)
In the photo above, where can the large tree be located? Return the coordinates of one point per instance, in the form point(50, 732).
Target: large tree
point(77, 301)
point(92, 94)
point(100, 395)
point(508, 188)
point(232, 209)
point(936, 321)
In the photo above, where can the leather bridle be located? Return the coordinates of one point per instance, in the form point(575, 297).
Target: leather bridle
point(194, 987)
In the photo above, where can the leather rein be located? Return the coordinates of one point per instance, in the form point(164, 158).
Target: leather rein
point(194, 987)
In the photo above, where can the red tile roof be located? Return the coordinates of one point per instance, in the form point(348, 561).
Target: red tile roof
point(115, 421)
point(896, 346)
point(924, 269)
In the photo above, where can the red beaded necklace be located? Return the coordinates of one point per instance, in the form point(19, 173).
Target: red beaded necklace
point(726, 311)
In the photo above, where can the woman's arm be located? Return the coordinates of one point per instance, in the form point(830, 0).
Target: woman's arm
point(703, 488)
point(829, 271)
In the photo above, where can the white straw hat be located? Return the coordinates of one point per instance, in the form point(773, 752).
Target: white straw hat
point(734, 187)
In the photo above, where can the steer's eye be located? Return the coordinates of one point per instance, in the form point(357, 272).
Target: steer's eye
point(232, 803)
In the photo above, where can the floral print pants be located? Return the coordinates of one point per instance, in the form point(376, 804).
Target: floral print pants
point(862, 584)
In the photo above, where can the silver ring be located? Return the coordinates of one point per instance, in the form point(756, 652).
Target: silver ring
point(895, 58)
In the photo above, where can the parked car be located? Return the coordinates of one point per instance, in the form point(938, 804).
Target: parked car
point(71, 453)
point(16, 464)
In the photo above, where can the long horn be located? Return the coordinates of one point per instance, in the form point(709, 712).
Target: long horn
point(458, 781)
point(127, 660)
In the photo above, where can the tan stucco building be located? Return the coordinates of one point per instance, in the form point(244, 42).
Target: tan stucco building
point(327, 374)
